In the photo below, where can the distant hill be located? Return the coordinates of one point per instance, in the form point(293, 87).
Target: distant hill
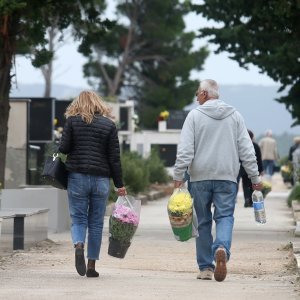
point(59, 91)
point(256, 103)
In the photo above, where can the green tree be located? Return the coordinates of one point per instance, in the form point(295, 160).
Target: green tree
point(147, 56)
point(265, 33)
point(23, 27)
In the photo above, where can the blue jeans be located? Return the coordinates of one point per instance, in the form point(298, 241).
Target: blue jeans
point(268, 166)
point(222, 194)
point(87, 203)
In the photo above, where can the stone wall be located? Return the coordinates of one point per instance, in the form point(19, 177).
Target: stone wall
point(16, 152)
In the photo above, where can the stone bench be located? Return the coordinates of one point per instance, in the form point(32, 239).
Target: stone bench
point(22, 228)
point(0, 227)
point(31, 197)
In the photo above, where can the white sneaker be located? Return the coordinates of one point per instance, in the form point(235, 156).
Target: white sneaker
point(206, 274)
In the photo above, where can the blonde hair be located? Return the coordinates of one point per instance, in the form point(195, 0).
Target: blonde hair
point(86, 105)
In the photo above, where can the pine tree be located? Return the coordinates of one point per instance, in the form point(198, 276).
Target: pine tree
point(147, 56)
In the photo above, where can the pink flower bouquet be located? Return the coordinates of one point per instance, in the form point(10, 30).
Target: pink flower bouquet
point(122, 225)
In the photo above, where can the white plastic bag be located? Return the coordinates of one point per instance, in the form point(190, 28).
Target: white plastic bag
point(123, 224)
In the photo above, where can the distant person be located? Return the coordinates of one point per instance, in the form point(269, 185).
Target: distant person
point(90, 140)
point(213, 140)
point(294, 147)
point(269, 153)
point(246, 182)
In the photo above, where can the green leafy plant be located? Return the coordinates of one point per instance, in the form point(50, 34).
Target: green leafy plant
point(294, 195)
point(152, 54)
point(123, 232)
point(24, 29)
point(124, 221)
point(262, 33)
point(157, 170)
point(266, 189)
point(139, 173)
point(135, 172)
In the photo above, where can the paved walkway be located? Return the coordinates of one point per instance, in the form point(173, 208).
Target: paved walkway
point(158, 267)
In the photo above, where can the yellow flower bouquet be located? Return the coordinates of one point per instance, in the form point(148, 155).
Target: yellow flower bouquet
point(180, 211)
point(163, 116)
point(267, 187)
point(287, 172)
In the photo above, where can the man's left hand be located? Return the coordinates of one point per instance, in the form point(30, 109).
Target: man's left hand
point(257, 186)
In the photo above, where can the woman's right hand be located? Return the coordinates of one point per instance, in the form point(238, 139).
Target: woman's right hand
point(122, 191)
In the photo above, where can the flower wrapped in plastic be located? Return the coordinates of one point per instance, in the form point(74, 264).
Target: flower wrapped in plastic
point(267, 187)
point(287, 172)
point(123, 224)
point(180, 211)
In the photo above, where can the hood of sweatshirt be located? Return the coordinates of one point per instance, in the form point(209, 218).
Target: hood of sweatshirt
point(216, 109)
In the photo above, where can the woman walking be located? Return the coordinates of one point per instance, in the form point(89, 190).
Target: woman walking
point(90, 140)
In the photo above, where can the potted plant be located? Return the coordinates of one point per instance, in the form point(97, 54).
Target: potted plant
point(180, 211)
point(122, 225)
point(162, 120)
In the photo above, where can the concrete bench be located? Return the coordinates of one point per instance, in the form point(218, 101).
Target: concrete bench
point(22, 228)
point(0, 227)
point(54, 199)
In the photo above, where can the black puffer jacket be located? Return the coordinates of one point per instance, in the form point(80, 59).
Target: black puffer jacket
point(92, 148)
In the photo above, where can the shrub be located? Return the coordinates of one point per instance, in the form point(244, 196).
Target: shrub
point(157, 170)
point(284, 160)
point(294, 195)
point(135, 172)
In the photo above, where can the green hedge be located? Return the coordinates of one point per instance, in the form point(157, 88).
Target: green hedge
point(139, 173)
point(294, 195)
point(135, 172)
point(157, 170)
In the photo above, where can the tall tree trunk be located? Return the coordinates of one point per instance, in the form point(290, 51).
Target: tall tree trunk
point(48, 79)
point(114, 84)
point(47, 70)
point(8, 28)
point(120, 71)
point(4, 111)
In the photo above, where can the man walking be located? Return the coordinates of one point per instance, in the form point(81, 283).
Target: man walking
point(213, 140)
point(269, 153)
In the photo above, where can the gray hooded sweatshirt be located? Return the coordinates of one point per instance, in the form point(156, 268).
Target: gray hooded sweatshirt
point(213, 141)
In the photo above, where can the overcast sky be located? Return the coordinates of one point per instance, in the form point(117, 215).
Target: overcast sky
point(68, 65)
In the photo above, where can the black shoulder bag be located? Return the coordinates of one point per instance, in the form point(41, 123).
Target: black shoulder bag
point(55, 172)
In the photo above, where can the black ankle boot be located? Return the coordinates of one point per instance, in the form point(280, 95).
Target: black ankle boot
point(79, 259)
point(91, 272)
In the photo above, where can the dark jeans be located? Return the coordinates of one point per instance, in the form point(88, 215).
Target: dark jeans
point(247, 189)
point(268, 166)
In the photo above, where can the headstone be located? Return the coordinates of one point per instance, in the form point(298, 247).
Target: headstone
point(176, 119)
